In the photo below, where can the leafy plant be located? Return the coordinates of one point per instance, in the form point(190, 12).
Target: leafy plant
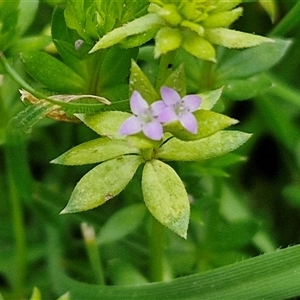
point(148, 92)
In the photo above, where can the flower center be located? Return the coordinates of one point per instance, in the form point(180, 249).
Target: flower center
point(180, 108)
point(146, 116)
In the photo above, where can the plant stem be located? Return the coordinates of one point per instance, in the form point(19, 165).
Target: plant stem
point(157, 239)
point(291, 20)
point(164, 68)
point(93, 252)
point(18, 228)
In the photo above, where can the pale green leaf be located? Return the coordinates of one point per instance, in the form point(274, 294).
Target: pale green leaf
point(166, 197)
point(209, 122)
point(95, 151)
point(105, 123)
point(139, 82)
point(234, 39)
point(167, 39)
point(177, 80)
point(66, 296)
point(102, 183)
point(122, 223)
point(36, 294)
point(198, 46)
point(215, 145)
point(271, 7)
point(140, 25)
point(210, 98)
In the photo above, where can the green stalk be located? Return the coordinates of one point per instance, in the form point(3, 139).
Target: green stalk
point(93, 252)
point(291, 20)
point(157, 244)
point(164, 68)
point(15, 155)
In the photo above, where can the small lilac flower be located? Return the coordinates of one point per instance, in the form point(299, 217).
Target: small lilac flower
point(144, 118)
point(179, 109)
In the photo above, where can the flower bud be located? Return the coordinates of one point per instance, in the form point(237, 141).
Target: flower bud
point(223, 19)
point(198, 46)
point(167, 39)
point(169, 12)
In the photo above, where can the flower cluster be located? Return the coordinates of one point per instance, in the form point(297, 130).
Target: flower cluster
point(194, 25)
point(150, 118)
point(190, 24)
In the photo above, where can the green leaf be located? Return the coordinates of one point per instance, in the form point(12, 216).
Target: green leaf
point(241, 89)
point(65, 44)
point(271, 7)
point(272, 276)
point(215, 145)
point(102, 183)
point(27, 13)
point(95, 151)
point(166, 197)
point(176, 80)
point(36, 294)
point(65, 296)
point(105, 123)
point(122, 223)
point(124, 273)
point(209, 122)
point(52, 73)
point(114, 70)
point(137, 26)
point(210, 98)
point(9, 15)
point(234, 39)
point(167, 39)
point(33, 43)
point(246, 63)
point(139, 82)
point(198, 46)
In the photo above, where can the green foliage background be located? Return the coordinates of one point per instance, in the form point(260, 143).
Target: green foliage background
point(243, 204)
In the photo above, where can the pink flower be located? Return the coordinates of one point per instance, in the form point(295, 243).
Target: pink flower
point(144, 118)
point(176, 108)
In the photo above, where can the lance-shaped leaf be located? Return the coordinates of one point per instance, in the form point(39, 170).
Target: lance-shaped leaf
point(209, 122)
point(251, 61)
point(166, 197)
point(140, 82)
point(217, 144)
point(95, 151)
point(122, 223)
point(102, 183)
point(246, 88)
point(177, 81)
point(52, 72)
point(106, 123)
point(210, 98)
point(234, 39)
point(140, 25)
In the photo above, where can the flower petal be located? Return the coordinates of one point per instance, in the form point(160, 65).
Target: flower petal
point(191, 102)
point(189, 122)
point(131, 125)
point(169, 96)
point(167, 115)
point(153, 130)
point(157, 107)
point(137, 103)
